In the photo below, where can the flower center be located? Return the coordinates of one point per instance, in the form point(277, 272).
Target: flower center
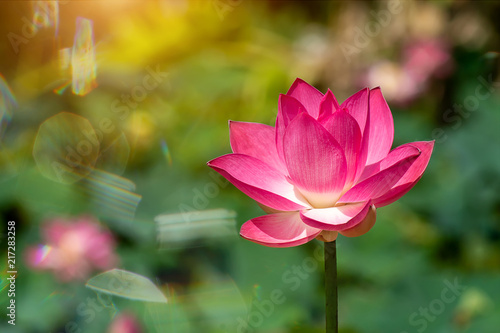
point(320, 200)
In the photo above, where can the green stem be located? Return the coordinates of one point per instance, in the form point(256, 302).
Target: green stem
point(331, 287)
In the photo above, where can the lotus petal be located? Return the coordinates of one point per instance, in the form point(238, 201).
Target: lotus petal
point(258, 180)
point(336, 218)
point(256, 140)
point(378, 184)
point(309, 96)
point(315, 161)
point(278, 230)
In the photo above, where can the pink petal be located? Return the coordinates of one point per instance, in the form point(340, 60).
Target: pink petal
point(364, 226)
point(357, 106)
point(396, 155)
point(309, 96)
point(315, 161)
point(394, 194)
point(288, 109)
point(345, 130)
point(278, 230)
point(418, 168)
point(327, 106)
point(256, 140)
point(336, 218)
point(258, 180)
point(381, 132)
point(381, 182)
point(363, 153)
point(411, 177)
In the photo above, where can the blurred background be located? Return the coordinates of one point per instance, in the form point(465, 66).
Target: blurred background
point(109, 111)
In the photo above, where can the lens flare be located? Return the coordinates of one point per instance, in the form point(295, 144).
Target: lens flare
point(112, 195)
point(83, 58)
point(114, 154)
point(188, 228)
point(257, 291)
point(7, 104)
point(62, 88)
point(125, 284)
point(52, 295)
point(46, 14)
point(166, 151)
point(65, 59)
point(66, 148)
point(41, 254)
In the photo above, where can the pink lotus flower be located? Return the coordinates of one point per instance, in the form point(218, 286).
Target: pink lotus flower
point(73, 248)
point(323, 169)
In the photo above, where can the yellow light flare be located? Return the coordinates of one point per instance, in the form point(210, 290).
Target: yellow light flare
point(83, 62)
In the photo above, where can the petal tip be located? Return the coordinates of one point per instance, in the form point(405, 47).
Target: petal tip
point(299, 80)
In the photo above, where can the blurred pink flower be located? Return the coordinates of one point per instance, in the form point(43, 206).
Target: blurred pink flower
point(324, 167)
point(73, 248)
point(427, 58)
point(405, 81)
point(125, 323)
